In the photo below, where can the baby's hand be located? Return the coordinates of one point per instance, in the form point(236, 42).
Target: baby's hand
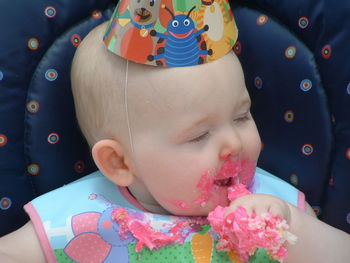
point(258, 204)
point(253, 221)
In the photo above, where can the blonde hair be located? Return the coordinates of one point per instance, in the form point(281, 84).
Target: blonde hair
point(97, 78)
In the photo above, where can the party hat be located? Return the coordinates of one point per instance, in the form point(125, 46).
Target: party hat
point(171, 33)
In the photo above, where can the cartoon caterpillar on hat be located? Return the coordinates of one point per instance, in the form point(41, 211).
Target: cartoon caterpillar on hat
point(181, 48)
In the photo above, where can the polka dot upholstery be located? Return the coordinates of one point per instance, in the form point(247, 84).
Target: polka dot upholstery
point(294, 55)
point(28, 29)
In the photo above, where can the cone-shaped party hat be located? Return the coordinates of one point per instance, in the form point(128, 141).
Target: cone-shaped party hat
point(171, 33)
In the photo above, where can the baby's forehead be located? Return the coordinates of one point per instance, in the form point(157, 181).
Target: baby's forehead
point(182, 81)
point(163, 90)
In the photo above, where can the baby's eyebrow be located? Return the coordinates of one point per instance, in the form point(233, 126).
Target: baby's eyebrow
point(245, 103)
point(191, 127)
point(195, 124)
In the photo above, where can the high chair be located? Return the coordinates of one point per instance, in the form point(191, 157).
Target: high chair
point(295, 58)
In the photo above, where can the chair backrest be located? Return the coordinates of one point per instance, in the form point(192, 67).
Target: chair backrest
point(289, 53)
point(295, 56)
point(31, 35)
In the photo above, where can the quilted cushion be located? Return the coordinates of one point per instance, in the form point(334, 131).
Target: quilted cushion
point(295, 56)
point(28, 29)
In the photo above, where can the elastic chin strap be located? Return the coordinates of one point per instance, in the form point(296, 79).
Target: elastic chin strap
point(126, 105)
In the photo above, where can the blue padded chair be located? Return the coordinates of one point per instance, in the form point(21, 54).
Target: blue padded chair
point(294, 55)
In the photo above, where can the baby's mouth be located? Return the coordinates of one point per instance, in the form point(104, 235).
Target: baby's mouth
point(227, 182)
point(228, 173)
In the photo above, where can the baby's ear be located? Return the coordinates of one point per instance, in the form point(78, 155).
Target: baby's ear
point(109, 157)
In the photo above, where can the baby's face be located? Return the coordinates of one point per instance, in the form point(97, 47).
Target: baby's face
point(195, 122)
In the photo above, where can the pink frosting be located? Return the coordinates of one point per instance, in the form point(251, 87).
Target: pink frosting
point(236, 191)
point(237, 231)
point(147, 236)
point(238, 172)
point(244, 234)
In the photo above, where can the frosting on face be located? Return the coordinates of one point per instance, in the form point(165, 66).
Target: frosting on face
point(219, 187)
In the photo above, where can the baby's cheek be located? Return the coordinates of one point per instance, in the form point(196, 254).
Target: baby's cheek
point(248, 170)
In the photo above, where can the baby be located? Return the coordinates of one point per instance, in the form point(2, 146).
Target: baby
point(174, 140)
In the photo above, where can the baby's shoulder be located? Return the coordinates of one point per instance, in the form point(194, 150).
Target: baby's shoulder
point(21, 246)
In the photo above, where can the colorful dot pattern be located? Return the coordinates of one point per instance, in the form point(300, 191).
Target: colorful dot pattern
point(37, 152)
point(296, 95)
point(290, 52)
point(303, 22)
point(5, 203)
point(51, 74)
point(53, 138)
point(3, 140)
point(50, 11)
point(75, 39)
point(289, 116)
point(33, 106)
point(33, 43)
point(237, 48)
point(306, 85)
point(33, 169)
point(79, 167)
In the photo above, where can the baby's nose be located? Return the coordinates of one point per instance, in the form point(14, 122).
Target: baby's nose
point(231, 146)
point(226, 156)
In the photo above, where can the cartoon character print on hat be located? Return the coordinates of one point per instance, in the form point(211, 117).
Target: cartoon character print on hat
point(130, 27)
point(171, 32)
point(181, 48)
point(222, 33)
